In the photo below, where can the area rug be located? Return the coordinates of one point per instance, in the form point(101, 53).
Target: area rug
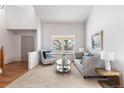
point(46, 77)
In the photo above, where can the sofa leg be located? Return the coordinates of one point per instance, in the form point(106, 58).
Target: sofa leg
point(85, 77)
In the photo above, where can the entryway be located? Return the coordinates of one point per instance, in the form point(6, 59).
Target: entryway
point(27, 45)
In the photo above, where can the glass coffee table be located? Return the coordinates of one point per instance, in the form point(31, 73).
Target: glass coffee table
point(63, 66)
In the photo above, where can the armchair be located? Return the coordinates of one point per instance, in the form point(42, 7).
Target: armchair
point(47, 60)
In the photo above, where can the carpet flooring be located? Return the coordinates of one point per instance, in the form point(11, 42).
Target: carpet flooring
point(47, 77)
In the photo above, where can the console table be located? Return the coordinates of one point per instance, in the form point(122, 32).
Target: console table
point(113, 77)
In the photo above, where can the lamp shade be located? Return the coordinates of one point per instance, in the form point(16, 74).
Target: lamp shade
point(81, 49)
point(110, 56)
point(107, 56)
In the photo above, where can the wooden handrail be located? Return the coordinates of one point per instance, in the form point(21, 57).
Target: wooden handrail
point(2, 58)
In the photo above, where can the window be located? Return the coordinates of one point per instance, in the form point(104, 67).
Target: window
point(63, 43)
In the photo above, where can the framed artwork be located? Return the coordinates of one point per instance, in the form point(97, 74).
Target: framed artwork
point(63, 43)
point(68, 45)
point(57, 45)
point(97, 41)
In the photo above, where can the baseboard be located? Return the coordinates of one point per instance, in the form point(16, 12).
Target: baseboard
point(7, 61)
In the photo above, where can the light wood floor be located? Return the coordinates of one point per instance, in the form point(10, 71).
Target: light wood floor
point(47, 77)
point(12, 72)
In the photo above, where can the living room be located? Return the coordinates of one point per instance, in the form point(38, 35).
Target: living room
point(49, 27)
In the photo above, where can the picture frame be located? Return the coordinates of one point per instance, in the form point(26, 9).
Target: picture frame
point(97, 41)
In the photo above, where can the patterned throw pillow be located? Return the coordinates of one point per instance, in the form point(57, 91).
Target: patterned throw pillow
point(44, 54)
point(47, 54)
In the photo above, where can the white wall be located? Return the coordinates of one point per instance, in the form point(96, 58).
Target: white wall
point(21, 17)
point(23, 21)
point(110, 19)
point(39, 35)
point(20, 21)
point(34, 57)
point(63, 29)
point(7, 39)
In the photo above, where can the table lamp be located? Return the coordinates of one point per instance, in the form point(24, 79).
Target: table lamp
point(81, 49)
point(102, 55)
point(108, 58)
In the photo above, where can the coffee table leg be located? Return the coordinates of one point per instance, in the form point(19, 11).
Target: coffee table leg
point(63, 69)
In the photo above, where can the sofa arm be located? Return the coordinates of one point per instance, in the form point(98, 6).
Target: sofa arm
point(89, 65)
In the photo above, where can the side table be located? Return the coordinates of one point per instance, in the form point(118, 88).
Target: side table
point(113, 77)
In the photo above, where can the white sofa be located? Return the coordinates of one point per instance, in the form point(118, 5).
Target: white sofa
point(87, 65)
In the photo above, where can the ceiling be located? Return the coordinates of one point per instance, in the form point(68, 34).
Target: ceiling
point(63, 13)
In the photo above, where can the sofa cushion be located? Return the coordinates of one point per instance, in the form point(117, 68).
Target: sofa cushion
point(79, 55)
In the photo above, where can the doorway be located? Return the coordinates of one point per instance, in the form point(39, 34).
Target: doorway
point(27, 45)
